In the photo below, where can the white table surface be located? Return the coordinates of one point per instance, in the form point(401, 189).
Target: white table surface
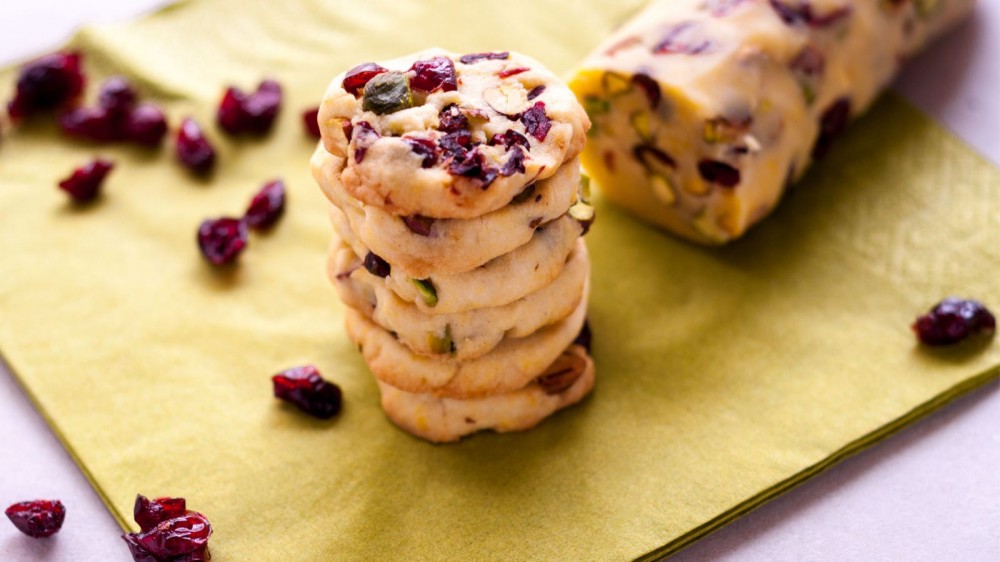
point(930, 493)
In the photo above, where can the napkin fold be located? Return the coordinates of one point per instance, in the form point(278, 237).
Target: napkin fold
point(726, 375)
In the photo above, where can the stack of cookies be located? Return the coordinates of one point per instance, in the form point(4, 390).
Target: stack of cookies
point(458, 208)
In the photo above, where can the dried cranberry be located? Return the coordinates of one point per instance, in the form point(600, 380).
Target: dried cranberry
point(193, 148)
point(474, 165)
point(267, 206)
point(365, 137)
point(425, 149)
point(451, 119)
point(84, 184)
point(831, 125)
point(305, 388)
point(146, 125)
point(89, 123)
point(150, 513)
point(802, 13)
point(139, 553)
point(476, 57)
point(47, 83)
point(117, 96)
point(584, 337)
point(512, 71)
point(456, 144)
point(649, 87)
point(38, 518)
point(250, 113)
point(536, 123)
point(685, 38)
point(418, 224)
point(643, 153)
point(434, 74)
point(525, 194)
point(310, 118)
point(222, 240)
point(535, 92)
point(720, 173)
point(376, 265)
point(510, 138)
point(176, 536)
point(356, 78)
point(809, 62)
point(953, 320)
point(514, 163)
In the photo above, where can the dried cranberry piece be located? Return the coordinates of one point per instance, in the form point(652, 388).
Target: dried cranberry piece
point(117, 96)
point(310, 118)
point(365, 137)
point(305, 388)
point(514, 163)
point(150, 513)
point(510, 138)
point(649, 87)
point(810, 61)
point(425, 149)
point(418, 224)
point(476, 57)
point(139, 552)
point(685, 38)
point(953, 320)
point(267, 206)
point(456, 144)
point(38, 518)
point(250, 113)
point(47, 83)
point(451, 119)
point(802, 13)
point(89, 123)
point(193, 149)
point(644, 153)
point(84, 184)
point(434, 74)
point(536, 123)
point(222, 240)
point(146, 125)
point(535, 92)
point(720, 173)
point(525, 194)
point(584, 337)
point(177, 536)
point(356, 78)
point(720, 8)
point(832, 123)
point(512, 71)
point(474, 165)
point(376, 265)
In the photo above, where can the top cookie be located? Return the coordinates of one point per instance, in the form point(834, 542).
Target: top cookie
point(449, 136)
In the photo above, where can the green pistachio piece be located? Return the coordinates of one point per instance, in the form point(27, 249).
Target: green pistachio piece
point(584, 187)
point(808, 92)
point(596, 106)
point(615, 84)
point(640, 122)
point(441, 344)
point(427, 291)
point(387, 93)
point(584, 214)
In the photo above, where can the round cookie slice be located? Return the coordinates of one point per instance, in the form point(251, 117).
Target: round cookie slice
point(449, 136)
point(447, 419)
point(422, 246)
point(462, 335)
point(498, 282)
point(509, 366)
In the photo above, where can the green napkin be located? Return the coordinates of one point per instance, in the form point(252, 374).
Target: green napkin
point(725, 376)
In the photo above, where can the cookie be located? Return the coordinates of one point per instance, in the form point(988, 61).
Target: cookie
point(704, 112)
point(422, 246)
point(449, 136)
point(500, 281)
point(447, 419)
point(511, 365)
point(462, 335)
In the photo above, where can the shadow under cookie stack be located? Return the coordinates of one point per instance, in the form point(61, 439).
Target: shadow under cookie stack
point(458, 209)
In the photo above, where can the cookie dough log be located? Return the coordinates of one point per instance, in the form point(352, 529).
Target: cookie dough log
point(443, 135)
point(704, 111)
